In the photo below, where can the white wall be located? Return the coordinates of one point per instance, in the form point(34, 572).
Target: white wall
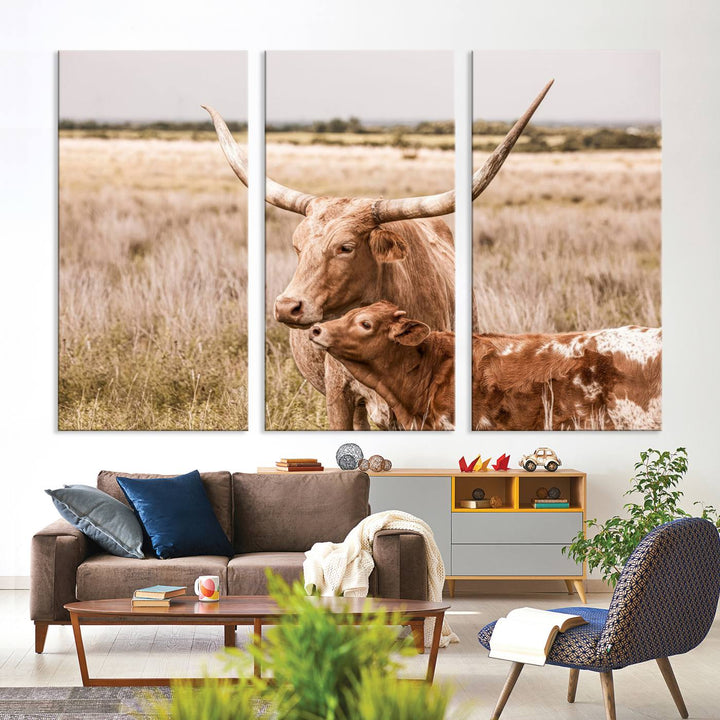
point(34, 456)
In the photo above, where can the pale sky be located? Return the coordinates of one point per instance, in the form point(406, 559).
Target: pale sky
point(590, 85)
point(146, 86)
point(371, 85)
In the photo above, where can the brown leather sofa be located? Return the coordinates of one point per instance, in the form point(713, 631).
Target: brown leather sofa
point(271, 521)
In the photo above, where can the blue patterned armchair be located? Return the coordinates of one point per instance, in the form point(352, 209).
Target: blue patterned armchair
point(664, 604)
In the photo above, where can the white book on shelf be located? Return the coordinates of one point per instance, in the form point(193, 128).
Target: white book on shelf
point(527, 634)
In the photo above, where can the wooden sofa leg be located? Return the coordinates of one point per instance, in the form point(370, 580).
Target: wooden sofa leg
point(671, 682)
point(608, 688)
point(513, 675)
point(41, 630)
point(572, 684)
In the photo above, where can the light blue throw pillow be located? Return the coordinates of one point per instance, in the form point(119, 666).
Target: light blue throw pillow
point(110, 523)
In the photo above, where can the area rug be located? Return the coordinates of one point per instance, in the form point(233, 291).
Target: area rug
point(64, 703)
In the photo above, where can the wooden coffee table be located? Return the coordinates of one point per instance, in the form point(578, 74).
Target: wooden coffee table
point(231, 611)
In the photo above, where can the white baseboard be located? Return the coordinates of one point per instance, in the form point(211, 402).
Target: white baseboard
point(14, 582)
point(524, 587)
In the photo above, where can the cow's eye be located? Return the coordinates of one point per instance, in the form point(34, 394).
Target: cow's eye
point(366, 324)
point(345, 249)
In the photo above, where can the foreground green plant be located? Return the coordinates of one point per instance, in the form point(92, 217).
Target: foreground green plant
point(657, 475)
point(325, 666)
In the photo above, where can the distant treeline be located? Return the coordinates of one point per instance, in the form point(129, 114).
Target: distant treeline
point(437, 133)
point(159, 125)
point(357, 127)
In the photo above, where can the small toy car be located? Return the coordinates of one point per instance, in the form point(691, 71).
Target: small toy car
point(542, 456)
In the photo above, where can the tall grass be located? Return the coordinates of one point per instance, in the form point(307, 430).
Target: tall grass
point(153, 277)
point(569, 242)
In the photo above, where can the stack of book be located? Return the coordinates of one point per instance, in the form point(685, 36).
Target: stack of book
point(156, 595)
point(299, 465)
point(550, 503)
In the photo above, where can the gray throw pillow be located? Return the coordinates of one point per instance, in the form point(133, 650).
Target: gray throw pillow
point(110, 523)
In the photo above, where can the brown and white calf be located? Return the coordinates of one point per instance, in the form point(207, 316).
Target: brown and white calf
point(410, 367)
point(607, 379)
point(602, 380)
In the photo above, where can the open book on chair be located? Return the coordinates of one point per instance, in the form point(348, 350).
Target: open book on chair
point(527, 634)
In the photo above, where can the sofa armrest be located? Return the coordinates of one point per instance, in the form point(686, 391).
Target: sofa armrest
point(400, 565)
point(56, 551)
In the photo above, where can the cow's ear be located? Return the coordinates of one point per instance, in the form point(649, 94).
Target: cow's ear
point(409, 332)
point(386, 245)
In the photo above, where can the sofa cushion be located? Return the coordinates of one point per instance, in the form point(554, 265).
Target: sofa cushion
point(217, 487)
point(107, 576)
point(246, 573)
point(290, 513)
point(110, 523)
point(177, 515)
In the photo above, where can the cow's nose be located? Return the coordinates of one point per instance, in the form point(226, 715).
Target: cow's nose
point(287, 308)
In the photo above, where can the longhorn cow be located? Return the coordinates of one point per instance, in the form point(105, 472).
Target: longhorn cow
point(355, 251)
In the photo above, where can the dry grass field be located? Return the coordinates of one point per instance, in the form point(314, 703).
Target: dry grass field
point(561, 241)
point(152, 287)
point(569, 241)
point(153, 326)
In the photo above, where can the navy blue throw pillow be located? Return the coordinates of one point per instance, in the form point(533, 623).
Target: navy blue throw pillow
point(177, 515)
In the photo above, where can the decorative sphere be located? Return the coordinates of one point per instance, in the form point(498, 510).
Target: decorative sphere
point(376, 463)
point(387, 465)
point(348, 456)
point(364, 464)
point(347, 462)
point(478, 494)
point(541, 493)
point(496, 501)
point(554, 493)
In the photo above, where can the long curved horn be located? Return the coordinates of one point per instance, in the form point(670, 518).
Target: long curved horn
point(275, 193)
point(444, 203)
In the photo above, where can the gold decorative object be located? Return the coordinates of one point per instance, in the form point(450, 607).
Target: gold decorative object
point(387, 465)
point(541, 493)
point(364, 464)
point(496, 501)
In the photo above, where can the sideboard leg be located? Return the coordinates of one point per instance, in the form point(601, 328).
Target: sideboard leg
point(451, 587)
point(569, 586)
point(580, 590)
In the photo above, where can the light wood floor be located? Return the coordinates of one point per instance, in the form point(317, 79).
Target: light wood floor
point(540, 692)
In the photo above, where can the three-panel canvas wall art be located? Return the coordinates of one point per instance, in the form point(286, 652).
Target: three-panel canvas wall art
point(360, 243)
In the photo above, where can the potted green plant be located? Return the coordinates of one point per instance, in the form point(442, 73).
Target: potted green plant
point(323, 666)
point(656, 479)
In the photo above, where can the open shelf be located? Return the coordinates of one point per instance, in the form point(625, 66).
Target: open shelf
point(517, 488)
point(494, 485)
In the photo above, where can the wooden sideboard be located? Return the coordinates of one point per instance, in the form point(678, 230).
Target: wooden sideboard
point(512, 542)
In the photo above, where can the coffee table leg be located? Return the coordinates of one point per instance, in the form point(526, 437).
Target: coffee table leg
point(418, 631)
point(82, 660)
point(432, 660)
point(230, 636)
point(257, 640)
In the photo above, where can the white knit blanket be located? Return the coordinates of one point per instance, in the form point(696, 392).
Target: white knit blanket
point(344, 568)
